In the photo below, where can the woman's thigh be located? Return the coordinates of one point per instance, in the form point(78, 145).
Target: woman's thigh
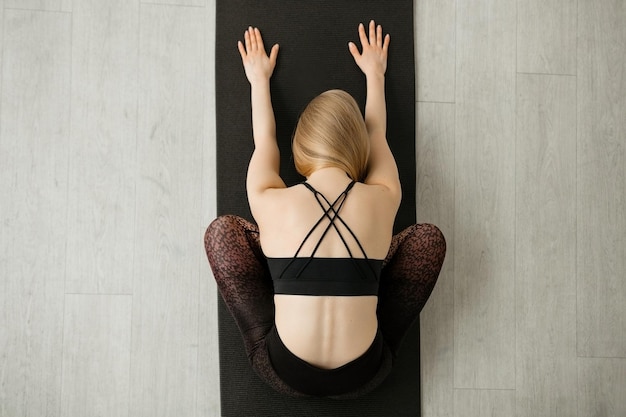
point(242, 277)
point(409, 274)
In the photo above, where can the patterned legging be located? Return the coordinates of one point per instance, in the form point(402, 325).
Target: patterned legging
point(409, 274)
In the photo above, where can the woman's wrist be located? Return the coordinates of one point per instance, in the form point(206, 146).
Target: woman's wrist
point(375, 76)
point(375, 82)
point(260, 82)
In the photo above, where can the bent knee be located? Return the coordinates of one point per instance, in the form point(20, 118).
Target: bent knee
point(220, 226)
point(431, 230)
point(218, 231)
point(432, 235)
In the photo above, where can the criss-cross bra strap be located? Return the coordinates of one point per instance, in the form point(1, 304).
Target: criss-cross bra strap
point(331, 219)
point(331, 213)
point(325, 215)
point(341, 197)
point(331, 208)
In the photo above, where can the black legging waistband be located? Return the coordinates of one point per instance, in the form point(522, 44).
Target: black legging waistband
point(311, 380)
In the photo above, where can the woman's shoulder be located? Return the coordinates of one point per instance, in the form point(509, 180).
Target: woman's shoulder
point(274, 201)
point(378, 196)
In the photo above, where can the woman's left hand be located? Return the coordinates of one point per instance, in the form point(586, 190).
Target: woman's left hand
point(258, 65)
point(373, 59)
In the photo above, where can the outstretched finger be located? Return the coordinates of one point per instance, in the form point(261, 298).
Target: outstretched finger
point(242, 50)
point(379, 36)
point(259, 40)
point(362, 35)
point(354, 50)
point(372, 33)
point(246, 38)
point(274, 55)
point(386, 43)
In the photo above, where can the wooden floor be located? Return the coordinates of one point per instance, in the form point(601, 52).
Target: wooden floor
point(107, 134)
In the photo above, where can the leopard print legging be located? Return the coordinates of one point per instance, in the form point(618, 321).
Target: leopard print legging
point(409, 274)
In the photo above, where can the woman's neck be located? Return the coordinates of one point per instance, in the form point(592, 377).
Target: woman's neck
point(328, 175)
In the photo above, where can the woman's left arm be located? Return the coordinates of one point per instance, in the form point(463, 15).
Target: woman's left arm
point(264, 167)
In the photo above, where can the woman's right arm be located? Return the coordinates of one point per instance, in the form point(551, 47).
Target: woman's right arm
point(264, 168)
point(382, 169)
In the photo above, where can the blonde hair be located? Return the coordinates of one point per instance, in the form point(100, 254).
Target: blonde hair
point(331, 132)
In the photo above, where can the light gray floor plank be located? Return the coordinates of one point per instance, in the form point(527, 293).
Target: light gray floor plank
point(168, 237)
point(546, 36)
point(34, 129)
point(435, 204)
point(435, 49)
point(546, 246)
point(48, 5)
point(208, 355)
point(96, 355)
point(101, 224)
point(484, 235)
point(481, 403)
point(195, 3)
point(601, 383)
point(602, 179)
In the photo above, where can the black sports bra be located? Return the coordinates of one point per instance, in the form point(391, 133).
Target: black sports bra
point(326, 276)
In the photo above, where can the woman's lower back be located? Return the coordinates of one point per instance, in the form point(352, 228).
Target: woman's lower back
point(326, 331)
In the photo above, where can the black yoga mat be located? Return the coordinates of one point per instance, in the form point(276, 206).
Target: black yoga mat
point(313, 58)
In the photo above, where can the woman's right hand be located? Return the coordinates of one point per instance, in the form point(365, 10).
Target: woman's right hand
point(373, 59)
point(257, 64)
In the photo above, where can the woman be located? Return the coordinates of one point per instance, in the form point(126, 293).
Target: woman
point(321, 291)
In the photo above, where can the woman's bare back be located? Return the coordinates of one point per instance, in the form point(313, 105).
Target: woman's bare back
point(327, 331)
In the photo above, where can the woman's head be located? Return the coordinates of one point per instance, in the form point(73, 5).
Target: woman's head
point(331, 133)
